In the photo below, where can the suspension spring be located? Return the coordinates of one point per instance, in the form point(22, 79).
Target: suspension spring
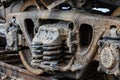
point(52, 55)
point(37, 55)
point(67, 54)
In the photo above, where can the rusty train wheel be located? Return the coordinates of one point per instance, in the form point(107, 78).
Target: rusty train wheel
point(25, 55)
point(25, 58)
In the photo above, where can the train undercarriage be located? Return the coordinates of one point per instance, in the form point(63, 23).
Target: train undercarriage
point(64, 38)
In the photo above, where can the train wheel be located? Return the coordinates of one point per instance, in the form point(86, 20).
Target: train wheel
point(26, 60)
point(25, 54)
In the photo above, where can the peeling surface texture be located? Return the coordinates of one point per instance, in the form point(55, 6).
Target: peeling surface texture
point(62, 37)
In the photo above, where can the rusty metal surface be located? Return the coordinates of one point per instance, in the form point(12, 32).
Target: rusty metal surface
point(19, 73)
point(27, 4)
point(99, 23)
point(116, 12)
point(54, 4)
point(61, 37)
point(27, 65)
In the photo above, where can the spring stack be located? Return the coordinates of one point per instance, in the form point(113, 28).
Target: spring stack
point(52, 55)
point(67, 54)
point(37, 55)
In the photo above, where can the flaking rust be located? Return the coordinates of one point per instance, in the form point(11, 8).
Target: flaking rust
point(63, 38)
